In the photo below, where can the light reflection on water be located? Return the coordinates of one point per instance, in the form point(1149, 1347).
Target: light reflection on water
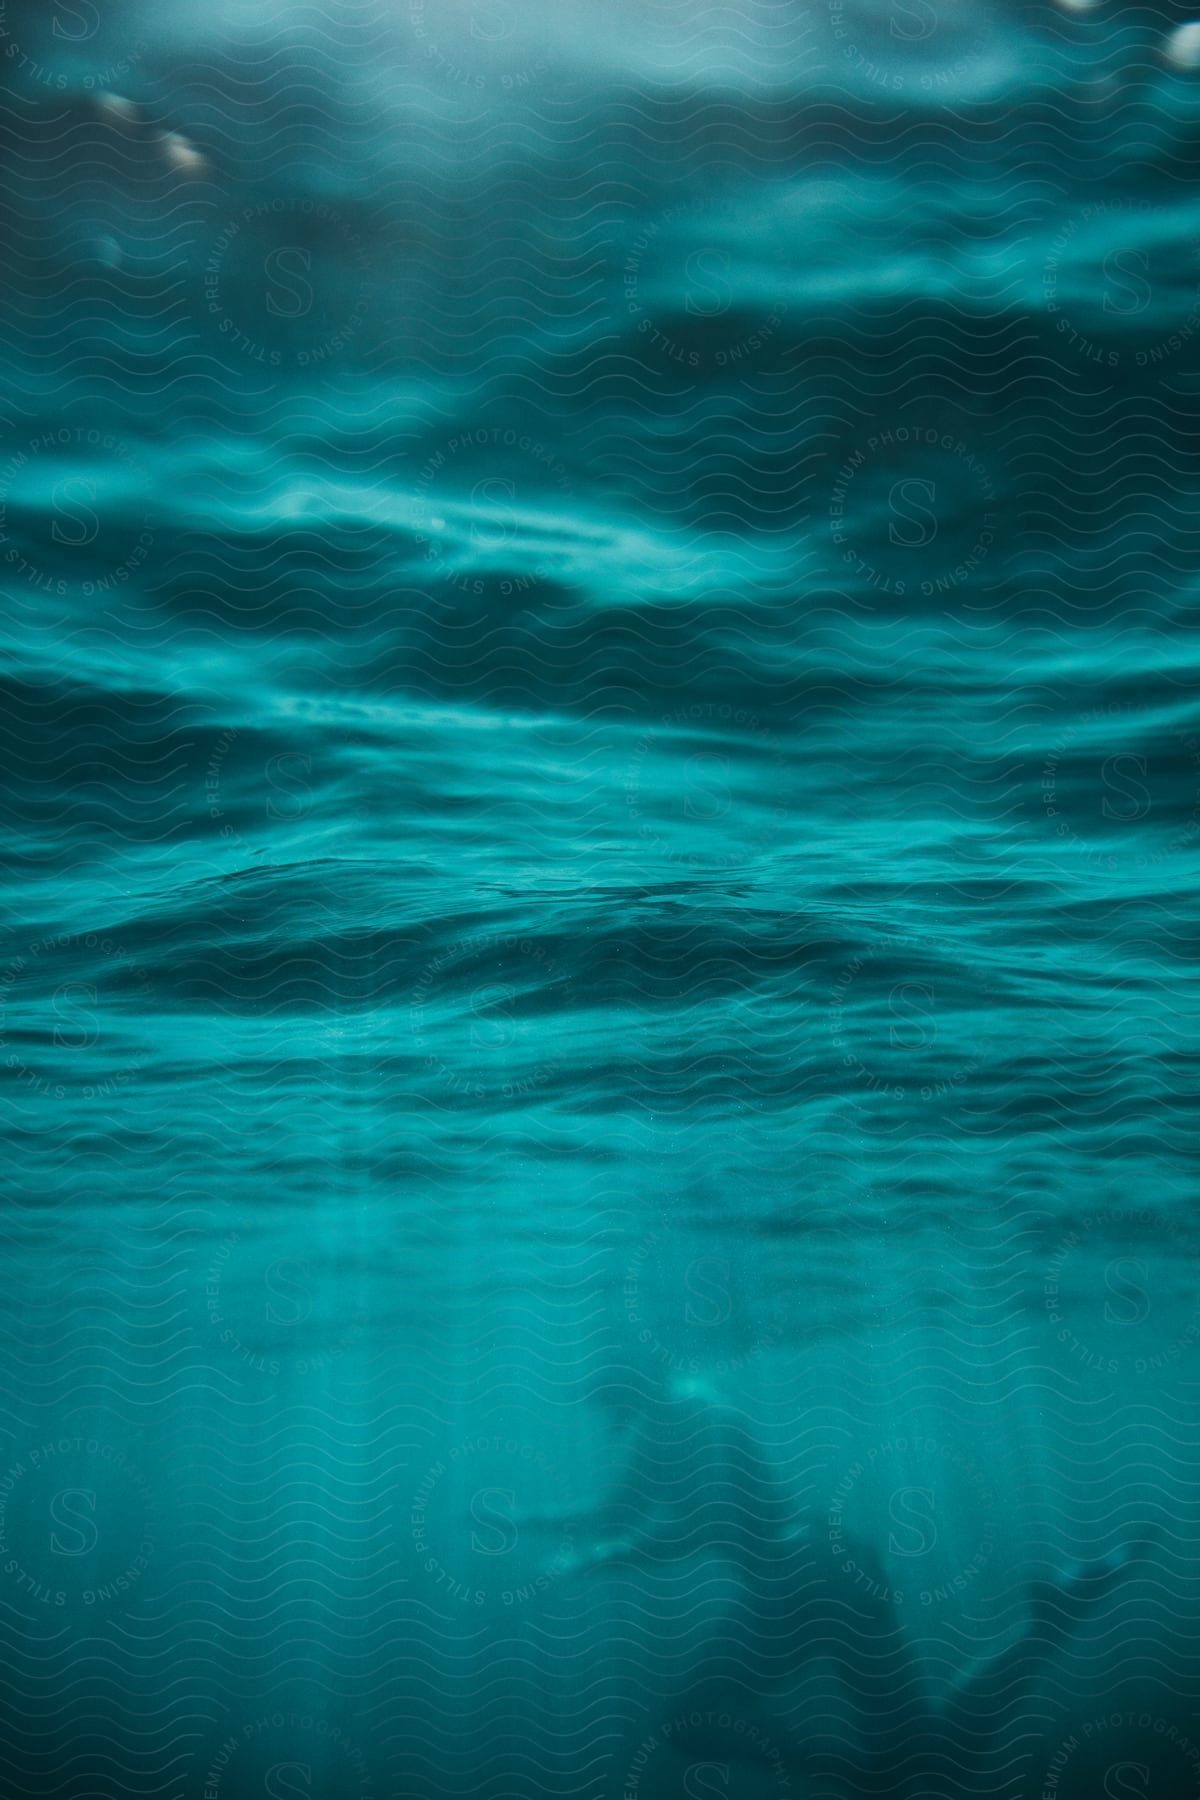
point(596, 992)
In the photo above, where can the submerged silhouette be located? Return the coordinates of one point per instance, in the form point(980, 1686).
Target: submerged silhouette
point(698, 1501)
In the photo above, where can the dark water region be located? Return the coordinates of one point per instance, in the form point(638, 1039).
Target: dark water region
point(598, 963)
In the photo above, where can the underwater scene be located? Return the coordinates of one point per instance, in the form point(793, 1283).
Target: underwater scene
point(599, 964)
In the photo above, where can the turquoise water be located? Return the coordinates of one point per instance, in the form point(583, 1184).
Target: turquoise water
point(597, 986)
